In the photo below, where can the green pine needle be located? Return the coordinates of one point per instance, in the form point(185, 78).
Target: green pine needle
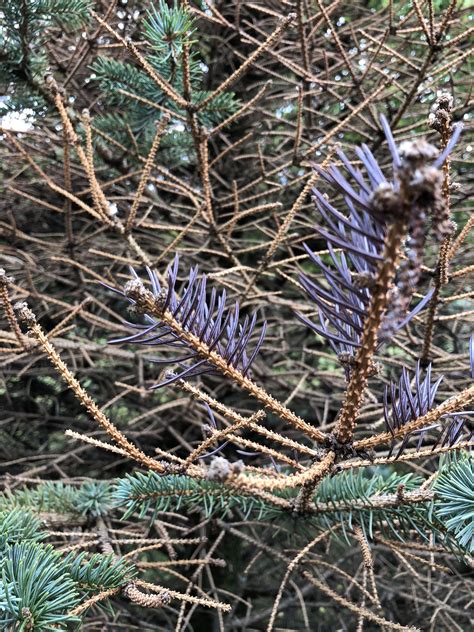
point(99, 572)
point(36, 592)
point(19, 525)
point(454, 505)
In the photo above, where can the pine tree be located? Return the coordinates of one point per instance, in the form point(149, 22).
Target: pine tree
point(279, 425)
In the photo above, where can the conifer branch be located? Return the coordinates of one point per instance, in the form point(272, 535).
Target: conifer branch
point(5, 282)
point(251, 97)
point(160, 129)
point(354, 396)
point(147, 303)
point(132, 48)
point(28, 318)
point(451, 405)
point(235, 76)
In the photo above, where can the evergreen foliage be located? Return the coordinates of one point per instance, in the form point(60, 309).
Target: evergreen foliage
point(454, 505)
point(316, 472)
point(99, 572)
point(18, 525)
point(166, 30)
point(346, 499)
point(41, 586)
point(92, 498)
point(25, 28)
point(36, 592)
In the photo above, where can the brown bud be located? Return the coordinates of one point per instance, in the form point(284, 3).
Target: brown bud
point(425, 187)
point(385, 202)
point(135, 290)
point(221, 469)
point(444, 101)
point(414, 153)
point(24, 313)
point(4, 279)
